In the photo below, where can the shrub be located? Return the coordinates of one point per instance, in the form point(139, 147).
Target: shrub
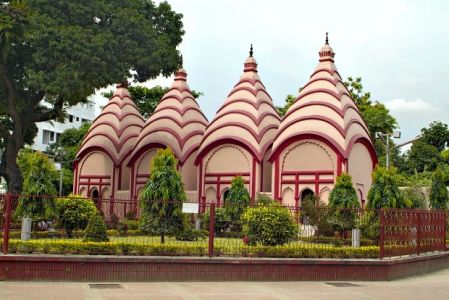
point(311, 252)
point(237, 199)
point(369, 225)
point(342, 204)
point(262, 199)
point(38, 181)
point(74, 213)
point(222, 223)
point(192, 235)
point(162, 196)
point(384, 192)
point(415, 196)
point(316, 213)
point(438, 192)
point(269, 225)
point(96, 229)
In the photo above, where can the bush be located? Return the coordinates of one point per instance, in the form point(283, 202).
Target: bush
point(74, 213)
point(269, 225)
point(96, 229)
point(369, 225)
point(415, 196)
point(316, 213)
point(384, 192)
point(222, 223)
point(106, 248)
point(310, 252)
point(192, 235)
point(438, 192)
point(162, 196)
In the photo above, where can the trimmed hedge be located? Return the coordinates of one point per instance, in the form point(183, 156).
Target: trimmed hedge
point(333, 240)
point(310, 252)
point(121, 248)
point(105, 248)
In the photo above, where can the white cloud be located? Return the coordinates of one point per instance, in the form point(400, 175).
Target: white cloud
point(403, 105)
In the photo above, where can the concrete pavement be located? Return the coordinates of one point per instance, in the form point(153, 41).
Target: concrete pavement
point(434, 286)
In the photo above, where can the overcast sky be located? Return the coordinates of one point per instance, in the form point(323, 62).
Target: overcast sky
point(399, 48)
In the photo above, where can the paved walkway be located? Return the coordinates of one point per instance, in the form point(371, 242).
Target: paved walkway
point(433, 286)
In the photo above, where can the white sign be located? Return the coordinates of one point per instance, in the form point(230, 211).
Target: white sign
point(190, 208)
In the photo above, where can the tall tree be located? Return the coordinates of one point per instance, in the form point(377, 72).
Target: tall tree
point(61, 51)
point(146, 99)
point(436, 134)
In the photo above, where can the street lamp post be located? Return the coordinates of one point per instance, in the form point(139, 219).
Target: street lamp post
point(58, 167)
point(385, 137)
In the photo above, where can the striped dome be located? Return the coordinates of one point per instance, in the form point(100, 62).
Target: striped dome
point(177, 122)
point(247, 117)
point(324, 108)
point(116, 129)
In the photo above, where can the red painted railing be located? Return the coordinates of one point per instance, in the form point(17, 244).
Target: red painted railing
point(411, 231)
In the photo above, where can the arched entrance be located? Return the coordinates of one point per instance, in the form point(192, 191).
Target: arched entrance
point(96, 198)
point(306, 193)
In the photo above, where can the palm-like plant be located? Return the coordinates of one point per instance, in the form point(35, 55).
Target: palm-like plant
point(38, 189)
point(162, 197)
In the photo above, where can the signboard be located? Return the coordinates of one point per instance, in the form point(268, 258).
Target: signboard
point(190, 208)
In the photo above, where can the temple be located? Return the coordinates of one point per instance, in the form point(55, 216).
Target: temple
point(321, 135)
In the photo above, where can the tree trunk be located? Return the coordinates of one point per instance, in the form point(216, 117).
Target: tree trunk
point(9, 168)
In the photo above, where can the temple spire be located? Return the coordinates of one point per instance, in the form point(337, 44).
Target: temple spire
point(251, 51)
point(327, 38)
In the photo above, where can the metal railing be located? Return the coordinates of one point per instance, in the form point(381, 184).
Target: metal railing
point(316, 231)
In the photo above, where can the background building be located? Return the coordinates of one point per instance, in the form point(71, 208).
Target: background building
point(48, 132)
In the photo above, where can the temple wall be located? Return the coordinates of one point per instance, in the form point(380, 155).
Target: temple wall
point(360, 167)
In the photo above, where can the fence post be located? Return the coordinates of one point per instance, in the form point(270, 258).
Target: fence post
point(418, 232)
point(445, 220)
point(111, 207)
point(382, 234)
point(6, 222)
point(211, 229)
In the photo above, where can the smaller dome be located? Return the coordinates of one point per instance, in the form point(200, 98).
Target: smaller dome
point(177, 122)
point(115, 130)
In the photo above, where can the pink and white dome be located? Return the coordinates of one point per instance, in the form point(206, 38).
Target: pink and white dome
point(247, 117)
point(177, 122)
point(116, 129)
point(324, 109)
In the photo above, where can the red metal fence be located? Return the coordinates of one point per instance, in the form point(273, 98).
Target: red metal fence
point(321, 230)
point(407, 231)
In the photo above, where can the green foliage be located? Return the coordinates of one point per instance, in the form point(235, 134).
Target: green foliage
point(68, 143)
point(316, 213)
point(384, 192)
point(422, 157)
point(311, 252)
point(237, 199)
point(369, 225)
point(75, 212)
point(106, 248)
point(343, 194)
point(62, 51)
point(269, 225)
point(262, 199)
point(39, 175)
point(437, 135)
point(162, 197)
point(376, 116)
point(96, 229)
point(438, 193)
point(146, 99)
point(342, 203)
point(415, 196)
point(289, 100)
